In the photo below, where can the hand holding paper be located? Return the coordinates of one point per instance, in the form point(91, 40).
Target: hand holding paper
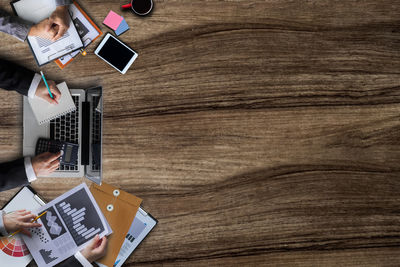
point(96, 249)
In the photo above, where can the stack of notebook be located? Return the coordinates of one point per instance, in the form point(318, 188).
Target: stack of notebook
point(116, 23)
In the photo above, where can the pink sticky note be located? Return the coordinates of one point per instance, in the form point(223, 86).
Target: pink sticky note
point(113, 20)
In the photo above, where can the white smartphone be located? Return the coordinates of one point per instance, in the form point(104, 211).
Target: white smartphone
point(116, 53)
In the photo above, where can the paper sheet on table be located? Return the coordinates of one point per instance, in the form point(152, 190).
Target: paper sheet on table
point(71, 221)
point(140, 228)
point(44, 49)
point(86, 31)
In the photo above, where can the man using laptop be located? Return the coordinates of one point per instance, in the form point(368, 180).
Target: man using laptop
point(23, 171)
point(52, 28)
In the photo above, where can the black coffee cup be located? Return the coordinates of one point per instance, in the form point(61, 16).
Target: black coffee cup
point(140, 7)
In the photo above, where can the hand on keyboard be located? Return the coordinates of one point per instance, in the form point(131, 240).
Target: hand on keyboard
point(46, 163)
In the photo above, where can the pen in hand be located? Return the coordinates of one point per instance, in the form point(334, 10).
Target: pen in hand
point(34, 220)
point(45, 82)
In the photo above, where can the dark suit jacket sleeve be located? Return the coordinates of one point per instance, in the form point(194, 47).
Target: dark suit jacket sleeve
point(14, 77)
point(14, 25)
point(70, 262)
point(12, 174)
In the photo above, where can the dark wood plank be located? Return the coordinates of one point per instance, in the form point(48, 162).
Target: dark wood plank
point(258, 133)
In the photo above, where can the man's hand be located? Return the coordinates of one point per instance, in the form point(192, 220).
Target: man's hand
point(43, 29)
point(96, 249)
point(21, 219)
point(42, 92)
point(59, 21)
point(45, 163)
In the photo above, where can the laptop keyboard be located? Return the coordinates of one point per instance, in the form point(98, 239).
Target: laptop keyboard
point(66, 128)
point(96, 129)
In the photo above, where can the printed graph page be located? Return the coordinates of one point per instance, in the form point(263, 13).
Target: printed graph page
point(46, 50)
point(71, 221)
point(85, 30)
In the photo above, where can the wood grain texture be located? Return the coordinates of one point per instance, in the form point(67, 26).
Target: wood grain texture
point(258, 133)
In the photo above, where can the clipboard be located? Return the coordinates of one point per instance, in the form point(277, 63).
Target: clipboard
point(141, 227)
point(62, 62)
point(119, 208)
point(13, 251)
point(72, 31)
point(35, 195)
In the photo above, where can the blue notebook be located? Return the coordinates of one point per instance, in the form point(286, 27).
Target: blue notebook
point(123, 27)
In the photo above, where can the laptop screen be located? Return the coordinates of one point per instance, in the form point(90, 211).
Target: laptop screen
point(94, 98)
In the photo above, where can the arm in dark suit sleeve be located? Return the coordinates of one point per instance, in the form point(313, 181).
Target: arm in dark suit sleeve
point(12, 174)
point(14, 77)
point(14, 25)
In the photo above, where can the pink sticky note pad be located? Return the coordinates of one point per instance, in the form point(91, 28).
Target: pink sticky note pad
point(113, 20)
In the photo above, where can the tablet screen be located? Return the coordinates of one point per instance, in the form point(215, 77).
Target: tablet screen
point(116, 53)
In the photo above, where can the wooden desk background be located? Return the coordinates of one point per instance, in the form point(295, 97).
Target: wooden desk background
point(257, 132)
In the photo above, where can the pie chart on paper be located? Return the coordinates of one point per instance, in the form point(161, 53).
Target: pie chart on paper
point(13, 246)
point(14, 251)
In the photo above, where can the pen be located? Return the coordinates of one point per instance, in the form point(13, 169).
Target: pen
point(83, 52)
point(45, 82)
point(16, 232)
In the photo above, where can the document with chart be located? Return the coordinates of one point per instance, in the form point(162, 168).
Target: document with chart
point(46, 50)
point(88, 31)
point(71, 221)
point(43, 48)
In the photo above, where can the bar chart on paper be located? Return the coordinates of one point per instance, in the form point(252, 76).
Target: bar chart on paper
point(80, 217)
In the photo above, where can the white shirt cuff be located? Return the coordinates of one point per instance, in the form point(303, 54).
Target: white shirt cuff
point(85, 263)
point(3, 230)
point(34, 85)
point(30, 173)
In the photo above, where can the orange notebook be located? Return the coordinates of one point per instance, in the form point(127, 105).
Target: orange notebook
point(88, 31)
point(119, 208)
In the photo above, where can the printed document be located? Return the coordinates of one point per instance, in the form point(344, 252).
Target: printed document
point(71, 221)
point(44, 49)
point(85, 29)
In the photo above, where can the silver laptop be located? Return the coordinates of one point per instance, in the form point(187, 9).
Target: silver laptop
point(82, 127)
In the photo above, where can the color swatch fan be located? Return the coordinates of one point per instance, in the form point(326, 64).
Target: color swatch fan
point(14, 251)
point(13, 246)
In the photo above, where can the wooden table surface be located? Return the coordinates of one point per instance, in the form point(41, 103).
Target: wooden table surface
point(256, 132)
